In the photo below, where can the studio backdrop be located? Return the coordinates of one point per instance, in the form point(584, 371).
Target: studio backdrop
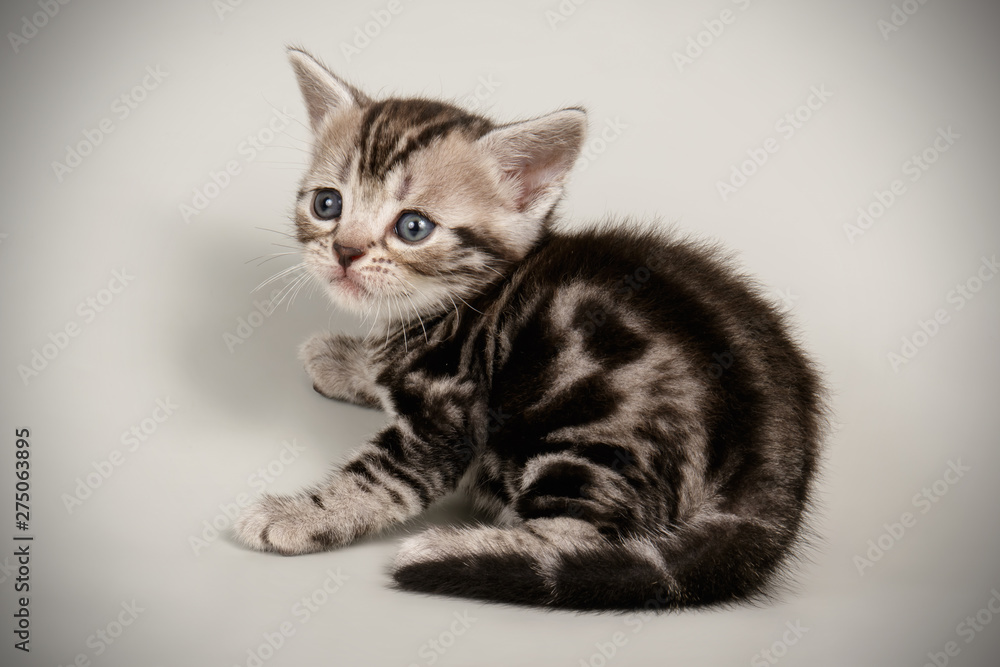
point(845, 153)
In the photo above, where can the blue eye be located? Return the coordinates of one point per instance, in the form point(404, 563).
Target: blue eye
point(327, 204)
point(413, 227)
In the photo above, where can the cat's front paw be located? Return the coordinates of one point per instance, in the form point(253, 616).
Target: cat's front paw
point(338, 366)
point(288, 525)
point(324, 362)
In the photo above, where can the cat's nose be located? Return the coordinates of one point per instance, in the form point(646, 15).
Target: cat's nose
point(346, 255)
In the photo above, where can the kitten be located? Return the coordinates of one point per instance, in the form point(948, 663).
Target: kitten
point(631, 412)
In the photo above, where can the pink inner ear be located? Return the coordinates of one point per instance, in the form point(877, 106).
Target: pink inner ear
point(533, 179)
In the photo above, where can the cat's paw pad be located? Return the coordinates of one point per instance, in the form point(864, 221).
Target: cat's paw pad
point(285, 525)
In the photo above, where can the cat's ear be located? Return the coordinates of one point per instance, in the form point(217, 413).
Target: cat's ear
point(322, 90)
point(538, 155)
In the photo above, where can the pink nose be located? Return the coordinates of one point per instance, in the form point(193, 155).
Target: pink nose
point(346, 255)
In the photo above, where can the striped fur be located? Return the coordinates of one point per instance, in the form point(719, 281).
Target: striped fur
point(631, 413)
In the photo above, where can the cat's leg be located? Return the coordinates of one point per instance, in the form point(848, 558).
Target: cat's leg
point(341, 368)
point(389, 480)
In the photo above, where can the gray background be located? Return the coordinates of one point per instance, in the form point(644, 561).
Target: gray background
point(681, 130)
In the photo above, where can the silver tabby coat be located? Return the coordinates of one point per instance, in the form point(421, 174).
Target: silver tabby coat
point(632, 414)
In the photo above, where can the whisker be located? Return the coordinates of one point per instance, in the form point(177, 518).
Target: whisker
point(302, 283)
point(468, 304)
point(414, 305)
point(402, 327)
point(375, 320)
point(312, 290)
point(282, 112)
point(276, 231)
point(292, 148)
point(301, 266)
point(291, 136)
point(458, 315)
point(288, 289)
point(495, 271)
point(419, 318)
point(269, 257)
point(276, 301)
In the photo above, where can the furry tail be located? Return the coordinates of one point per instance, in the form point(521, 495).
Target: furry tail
point(566, 563)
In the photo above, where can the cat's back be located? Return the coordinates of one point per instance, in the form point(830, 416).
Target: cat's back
point(658, 345)
point(684, 288)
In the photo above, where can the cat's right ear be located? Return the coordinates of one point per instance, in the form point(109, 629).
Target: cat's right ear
point(538, 154)
point(322, 90)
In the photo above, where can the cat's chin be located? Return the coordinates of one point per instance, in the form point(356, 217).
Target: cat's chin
point(349, 294)
point(379, 308)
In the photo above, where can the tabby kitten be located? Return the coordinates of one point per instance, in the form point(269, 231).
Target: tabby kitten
point(630, 411)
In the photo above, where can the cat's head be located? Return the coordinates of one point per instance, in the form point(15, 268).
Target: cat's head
point(412, 205)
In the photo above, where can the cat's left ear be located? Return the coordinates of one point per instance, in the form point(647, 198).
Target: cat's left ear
point(322, 89)
point(538, 155)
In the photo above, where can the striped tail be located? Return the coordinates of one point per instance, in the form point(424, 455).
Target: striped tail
point(565, 563)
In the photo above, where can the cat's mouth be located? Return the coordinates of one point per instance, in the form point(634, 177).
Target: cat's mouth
point(351, 288)
point(350, 285)
point(341, 281)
